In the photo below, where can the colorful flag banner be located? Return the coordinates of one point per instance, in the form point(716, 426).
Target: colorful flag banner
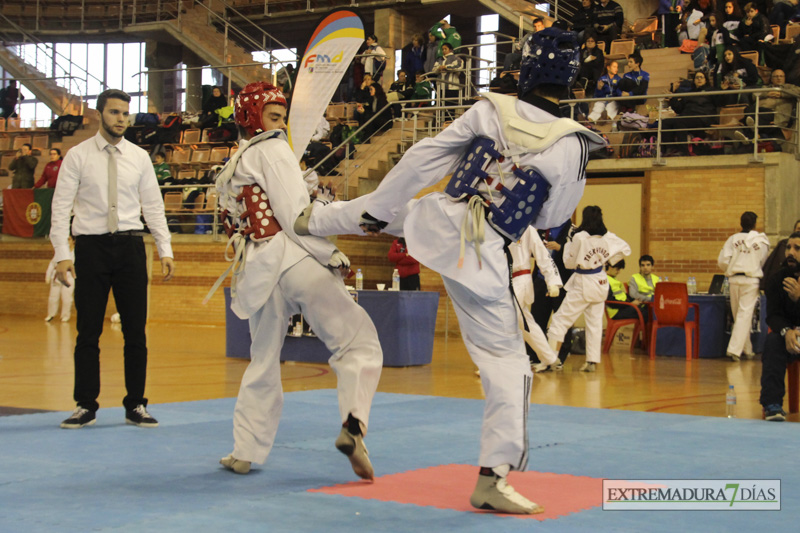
point(328, 55)
point(26, 212)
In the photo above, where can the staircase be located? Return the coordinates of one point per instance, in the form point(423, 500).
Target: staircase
point(46, 90)
point(194, 31)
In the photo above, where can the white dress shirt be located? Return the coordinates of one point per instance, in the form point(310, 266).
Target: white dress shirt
point(82, 188)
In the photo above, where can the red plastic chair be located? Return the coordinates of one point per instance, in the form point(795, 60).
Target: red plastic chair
point(671, 310)
point(614, 325)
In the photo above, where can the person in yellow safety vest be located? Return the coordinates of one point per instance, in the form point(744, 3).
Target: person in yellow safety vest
point(616, 291)
point(643, 285)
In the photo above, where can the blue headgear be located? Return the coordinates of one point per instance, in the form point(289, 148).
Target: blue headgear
point(549, 56)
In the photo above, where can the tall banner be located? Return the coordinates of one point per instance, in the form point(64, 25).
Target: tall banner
point(26, 212)
point(328, 55)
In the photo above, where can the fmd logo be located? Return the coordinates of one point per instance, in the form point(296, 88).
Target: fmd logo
point(323, 62)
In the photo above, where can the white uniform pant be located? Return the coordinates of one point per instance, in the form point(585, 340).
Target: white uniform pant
point(338, 321)
point(494, 342)
point(534, 336)
point(611, 108)
point(569, 311)
point(62, 293)
point(744, 294)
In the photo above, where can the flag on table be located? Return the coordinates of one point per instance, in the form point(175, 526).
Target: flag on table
point(26, 212)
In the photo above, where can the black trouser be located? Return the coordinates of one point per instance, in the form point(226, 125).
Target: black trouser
point(625, 312)
point(410, 283)
point(774, 361)
point(544, 306)
point(115, 262)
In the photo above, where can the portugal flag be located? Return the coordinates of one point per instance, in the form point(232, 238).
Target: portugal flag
point(26, 212)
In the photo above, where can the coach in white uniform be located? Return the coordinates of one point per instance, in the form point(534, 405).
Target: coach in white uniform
point(477, 280)
point(285, 274)
point(741, 259)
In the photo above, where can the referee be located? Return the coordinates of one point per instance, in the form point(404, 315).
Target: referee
point(108, 183)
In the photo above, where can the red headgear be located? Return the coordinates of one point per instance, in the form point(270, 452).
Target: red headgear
point(250, 104)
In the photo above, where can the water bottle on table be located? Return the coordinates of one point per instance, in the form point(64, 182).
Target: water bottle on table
point(730, 403)
point(359, 280)
point(726, 287)
point(395, 280)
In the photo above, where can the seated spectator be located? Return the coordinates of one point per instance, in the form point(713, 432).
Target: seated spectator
point(732, 17)
point(719, 39)
point(407, 266)
point(423, 90)
point(776, 257)
point(208, 117)
point(592, 61)
point(607, 85)
point(374, 106)
point(583, 19)
point(782, 13)
point(752, 29)
point(616, 291)
point(694, 112)
point(609, 20)
point(161, 168)
point(775, 109)
point(736, 73)
point(413, 55)
point(362, 93)
point(402, 89)
point(692, 19)
point(635, 80)
point(670, 12)
point(23, 166)
point(322, 131)
point(643, 285)
point(50, 173)
point(783, 341)
point(445, 33)
point(373, 58)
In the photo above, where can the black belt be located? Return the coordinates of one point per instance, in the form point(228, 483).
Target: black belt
point(739, 274)
point(126, 233)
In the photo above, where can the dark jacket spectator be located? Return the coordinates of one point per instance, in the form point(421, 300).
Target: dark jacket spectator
point(592, 63)
point(413, 56)
point(609, 21)
point(374, 105)
point(431, 49)
point(782, 13)
point(695, 112)
point(752, 29)
point(23, 166)
point(735, 73)
point(583, 18)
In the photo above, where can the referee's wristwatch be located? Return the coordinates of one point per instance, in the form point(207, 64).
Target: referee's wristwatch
point(784, 330)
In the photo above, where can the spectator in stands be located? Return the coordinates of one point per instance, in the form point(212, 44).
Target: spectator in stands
point(592, 61)
point(607, 86)
point(362, 93)
point(670, 12)
point(407, 266)
point(209, 117)
point(431, 49)
point(774, 109)
point(635, 80)
point(736, 73)
point(50, 174)
point(23, 166)
point(8, 99)
point(609, 20)
point(161, 168)
point(583, 19)
point(741, 259)
point(538, 24)
point(423, 90)
point(719, 38)
point(776, 257)
point(782, 13)
point(449, 67)
point(732, 17)
point(373, 58)
point(783, 341)
point(412, 57)
point(402, 89)
point(643, 285)
point(374, 106)
point(616, 291)
point(695, 112)
point(445, 33)
point(753, 29)
point(322, 131)
point(692, 19)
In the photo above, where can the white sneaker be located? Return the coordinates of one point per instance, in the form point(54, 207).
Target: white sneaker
point(588, 367)
point(49, 318)
point(494, 493)
point(355, 450)
point(232, 463)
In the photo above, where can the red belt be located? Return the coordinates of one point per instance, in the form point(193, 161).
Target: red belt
point(520, 273)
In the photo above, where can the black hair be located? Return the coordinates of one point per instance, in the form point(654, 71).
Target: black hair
point(162, 154)
point(795, 235)
point(646, 257)
point(373, 37)
point(748, 221)
point(637, 58)
point(111, 93)
point(58, 151)
point(450, 46)
point(401, 70)
point(29, 145)
point(592, 221)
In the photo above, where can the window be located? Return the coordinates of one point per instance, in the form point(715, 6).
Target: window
point(487, 50)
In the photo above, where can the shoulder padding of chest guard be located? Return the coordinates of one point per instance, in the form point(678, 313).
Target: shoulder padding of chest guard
point(537, 136)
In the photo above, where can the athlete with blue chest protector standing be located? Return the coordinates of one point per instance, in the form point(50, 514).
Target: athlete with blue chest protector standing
point(514, 163)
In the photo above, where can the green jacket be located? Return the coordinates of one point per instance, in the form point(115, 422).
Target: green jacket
point(449, 35)
point(162, 173)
